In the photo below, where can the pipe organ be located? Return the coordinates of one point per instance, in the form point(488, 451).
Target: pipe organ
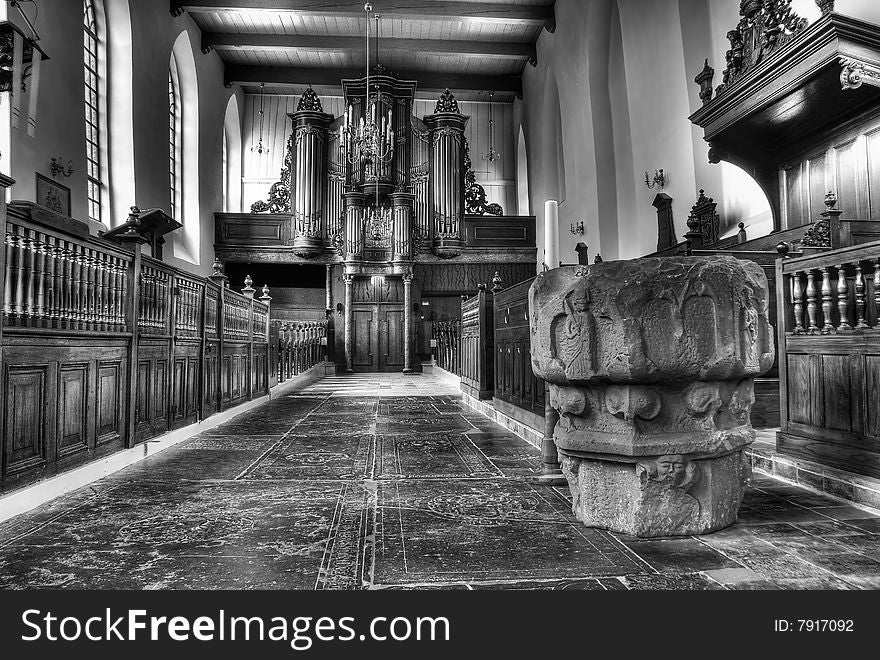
point(379, 196)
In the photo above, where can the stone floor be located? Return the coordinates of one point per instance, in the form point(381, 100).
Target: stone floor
point(388, 482)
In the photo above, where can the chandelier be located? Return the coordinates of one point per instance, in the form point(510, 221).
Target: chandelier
point(258, 147)
point(493, 154)
point(369, 141)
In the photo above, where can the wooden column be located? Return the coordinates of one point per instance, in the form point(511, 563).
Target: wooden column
point(132, 241)
point(5, 182)
point(407, 323)
point(349, 319)
point(222, 282)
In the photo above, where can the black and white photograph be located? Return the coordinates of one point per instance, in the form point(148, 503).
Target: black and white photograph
point(429, 297)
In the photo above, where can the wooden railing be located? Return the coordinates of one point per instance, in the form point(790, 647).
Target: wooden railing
point(448, 336)
point(301, 346)
point(477, 345)
point(828, 332)
point(103, 348)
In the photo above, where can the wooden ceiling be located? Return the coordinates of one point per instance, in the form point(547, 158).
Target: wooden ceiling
point(471, 47)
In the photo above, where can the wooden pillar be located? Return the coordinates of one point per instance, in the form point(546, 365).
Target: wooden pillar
point(132, 241)
point(349, 319)
point(407, 323)
point(222, 282)
point(5, 182)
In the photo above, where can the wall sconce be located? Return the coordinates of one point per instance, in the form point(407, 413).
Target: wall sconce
point(57, 168)
point(577, 228)
point(339, 309)
point(659, 179)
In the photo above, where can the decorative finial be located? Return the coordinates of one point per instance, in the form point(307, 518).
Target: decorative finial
point(826, 6)
point(597, 259)
point(496, 282)
point(310, 101)
point(266, 295)
point(782, 248)
point(217, 267)
point(705, 80)
point(830, 200)
point(446, 103)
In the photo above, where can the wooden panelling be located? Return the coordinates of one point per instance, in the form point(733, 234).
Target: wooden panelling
point(830, 351)
point(515, 383)
point(499, 231)
point(73, 387)
point(109, 401)
point(478, 346)
point(115, 348)
point(25, 418)
point(460, 279)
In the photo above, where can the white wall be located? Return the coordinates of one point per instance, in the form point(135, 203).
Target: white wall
point(141, 34)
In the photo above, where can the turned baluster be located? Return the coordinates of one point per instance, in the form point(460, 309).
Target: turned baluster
point(117, 272)
point(88, 279)
point(877, 294)
point(39, 248)
point(30, 306)
point(76, 298)
point(827, 326)
point(860, 299)
point(50, 268)
point(106, 291)
point(7, 275)
point(66, 284)
point(812, 329)
point(11, 276)
point(843, 301)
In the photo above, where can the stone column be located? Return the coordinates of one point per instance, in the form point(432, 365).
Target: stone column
point(349, 319)
point(447, 126)
point(651, 365)
point(407, 323)
point(308, 175)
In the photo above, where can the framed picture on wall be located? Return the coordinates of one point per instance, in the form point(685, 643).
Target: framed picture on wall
point(53, 195)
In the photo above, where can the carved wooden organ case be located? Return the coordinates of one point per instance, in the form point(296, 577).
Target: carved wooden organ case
point(377, 217)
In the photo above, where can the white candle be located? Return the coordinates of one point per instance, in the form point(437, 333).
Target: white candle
point(551, 233)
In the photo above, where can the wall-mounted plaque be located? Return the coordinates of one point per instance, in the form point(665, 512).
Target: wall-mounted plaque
point(53, 195)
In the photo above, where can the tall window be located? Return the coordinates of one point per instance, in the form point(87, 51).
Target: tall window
point(93, 135)
point(174, 141)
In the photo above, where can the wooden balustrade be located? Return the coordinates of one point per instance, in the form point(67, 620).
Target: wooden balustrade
point(53, 282)
point(448, 336)
point(103, 347)
point(829, 347)
point(300, 347)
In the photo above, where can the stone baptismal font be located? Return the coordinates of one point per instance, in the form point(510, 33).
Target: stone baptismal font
point(651, 365)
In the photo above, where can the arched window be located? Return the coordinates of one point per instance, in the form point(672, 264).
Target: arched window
point(175, 137)
point(91, 45)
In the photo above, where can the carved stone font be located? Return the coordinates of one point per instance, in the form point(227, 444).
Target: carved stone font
point(651, 365)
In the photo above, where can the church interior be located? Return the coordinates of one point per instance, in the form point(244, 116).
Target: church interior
point(440, 294)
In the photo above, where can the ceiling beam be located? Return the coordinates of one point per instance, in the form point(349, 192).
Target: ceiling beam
point(427, 80)
point(409, 9)
point(251, 41)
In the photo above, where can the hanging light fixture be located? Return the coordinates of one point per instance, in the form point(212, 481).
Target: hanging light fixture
point(369, 141)
point(258, 147)
point(493, 154)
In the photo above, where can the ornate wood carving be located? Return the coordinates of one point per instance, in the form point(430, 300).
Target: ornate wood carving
point(765, 26)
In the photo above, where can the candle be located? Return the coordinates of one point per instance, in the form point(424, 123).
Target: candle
point(551, 233)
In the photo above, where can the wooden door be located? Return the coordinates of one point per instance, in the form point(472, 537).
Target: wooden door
point(364, 338)
point(391, 338)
